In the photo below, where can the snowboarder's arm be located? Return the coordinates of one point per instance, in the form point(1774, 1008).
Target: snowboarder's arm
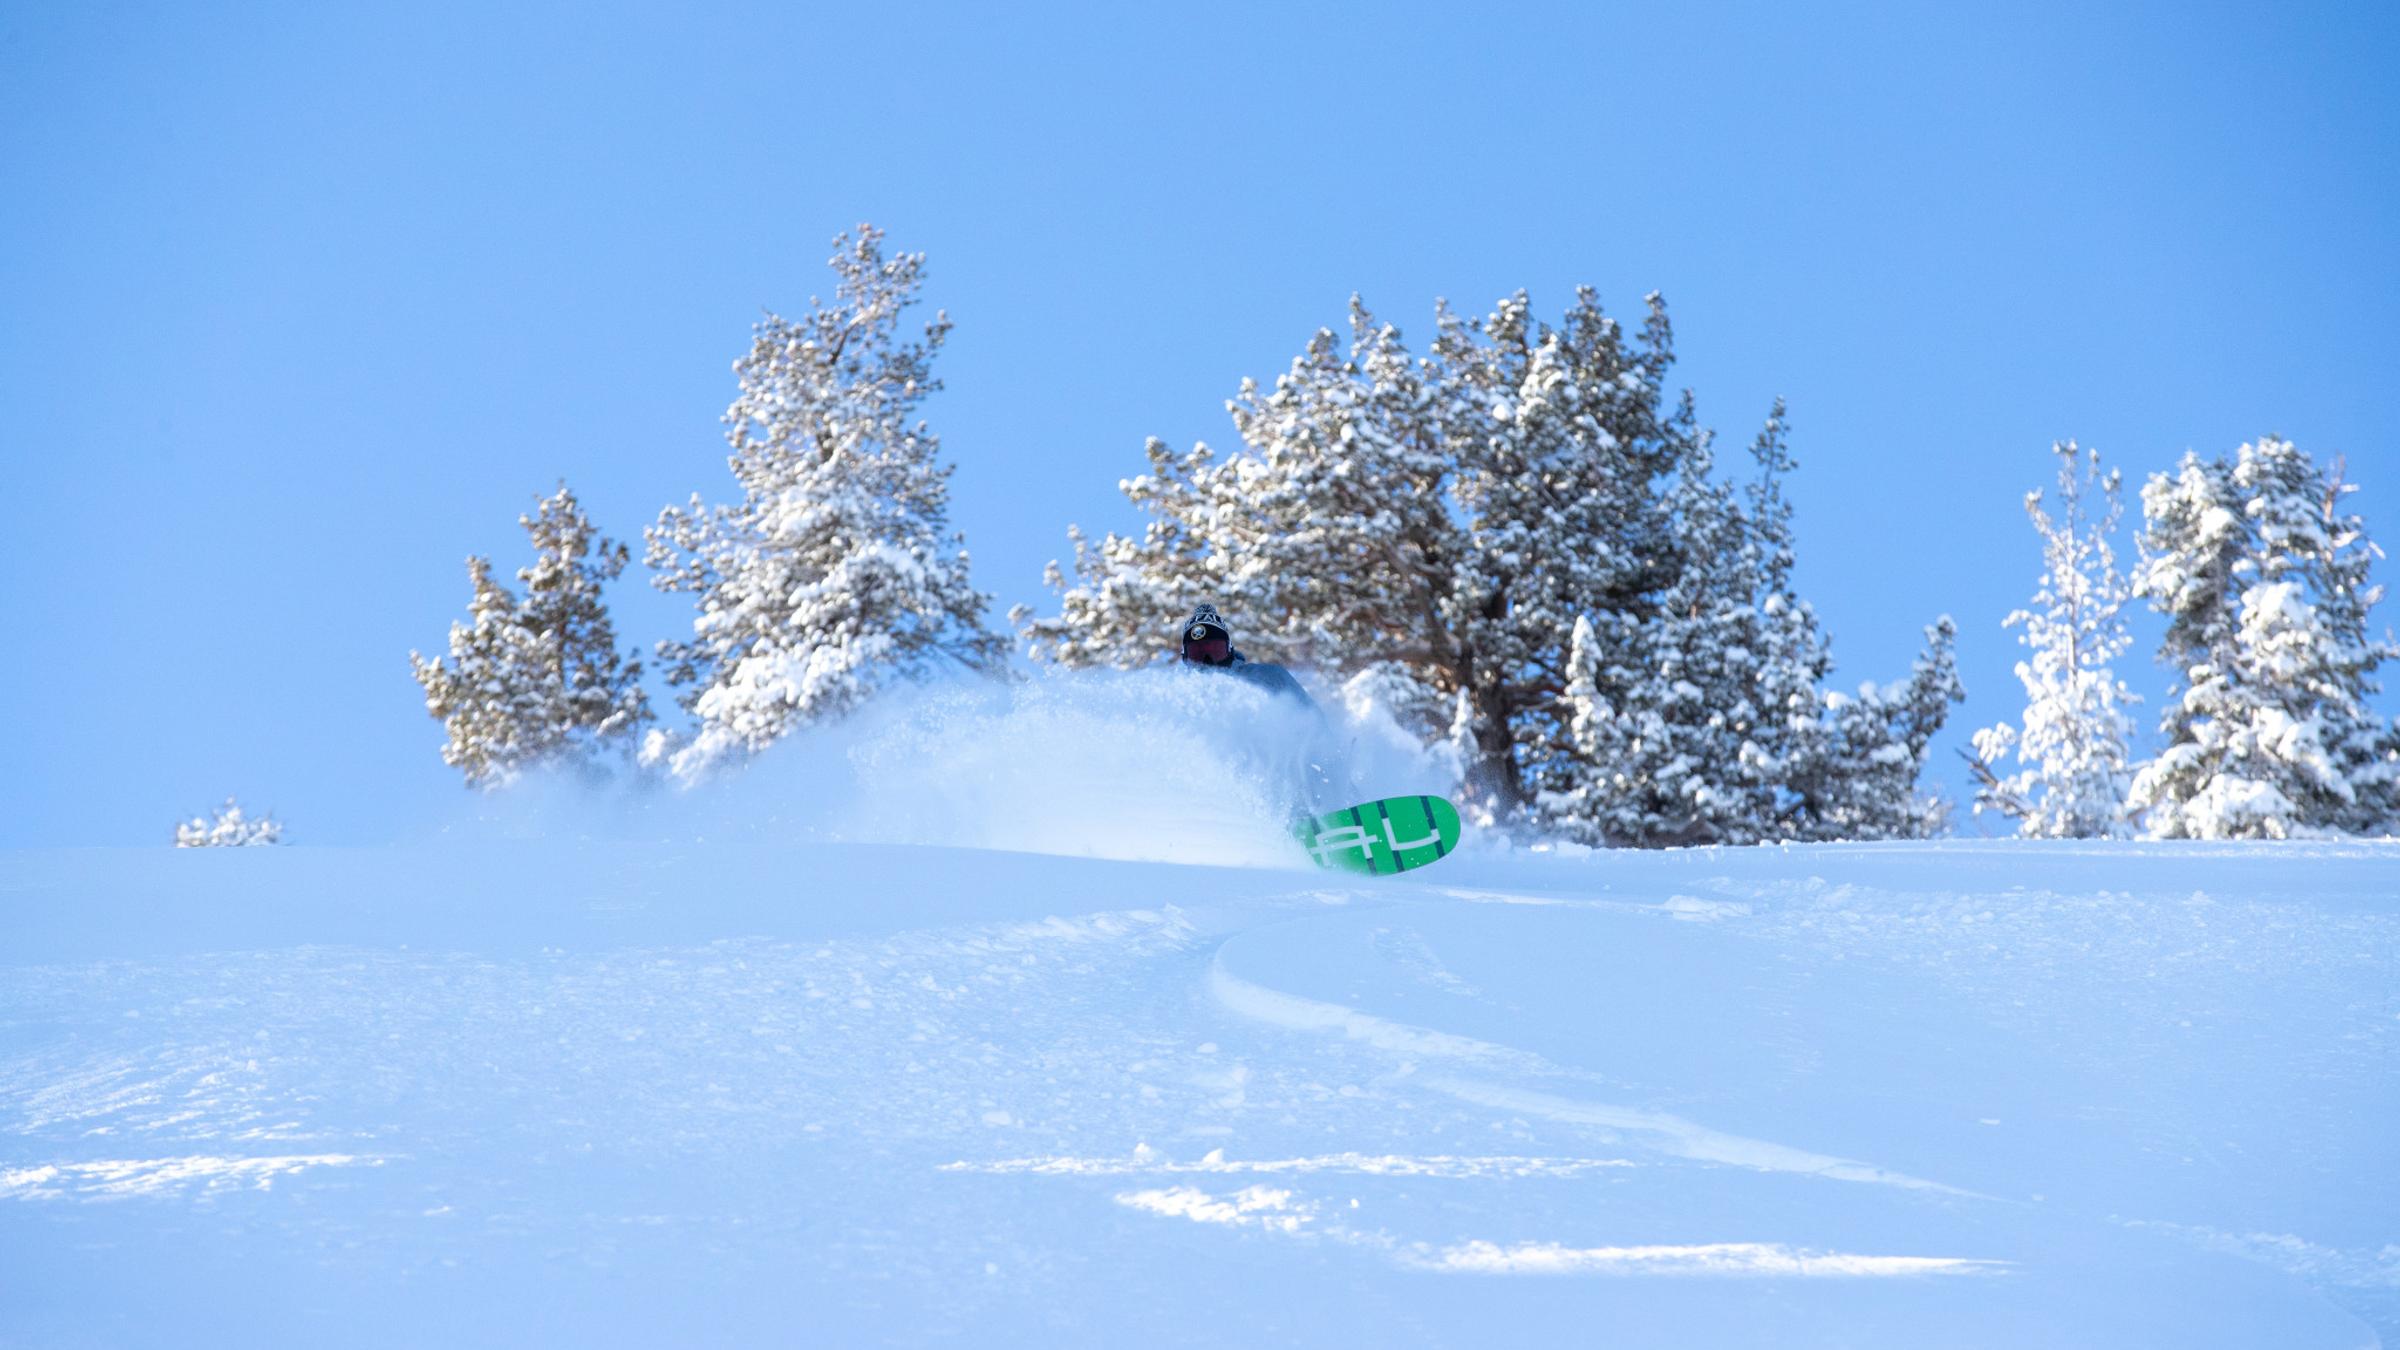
point(1277, 680)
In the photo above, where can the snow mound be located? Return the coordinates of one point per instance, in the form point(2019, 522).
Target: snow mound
point(857, 1094)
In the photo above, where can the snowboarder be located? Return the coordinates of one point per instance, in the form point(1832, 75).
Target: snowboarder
point(1208, 643)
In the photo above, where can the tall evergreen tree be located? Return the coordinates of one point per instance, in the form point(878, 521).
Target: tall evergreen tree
point(1395, 510)
point(2074, 752)
point(1568, 447)
point(537, 681)
point(1662, 721)
point(1525, 526)
point(2264, 581)
point(835, 572)
point(1331, 536)
point(2341, 666)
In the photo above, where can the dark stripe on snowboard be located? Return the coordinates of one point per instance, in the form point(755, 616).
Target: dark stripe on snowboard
point(1425, 804)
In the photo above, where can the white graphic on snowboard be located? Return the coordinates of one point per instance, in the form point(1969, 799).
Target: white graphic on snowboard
point(1358, 838)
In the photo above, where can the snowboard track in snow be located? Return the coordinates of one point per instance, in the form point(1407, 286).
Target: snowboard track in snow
point(1667, 1133)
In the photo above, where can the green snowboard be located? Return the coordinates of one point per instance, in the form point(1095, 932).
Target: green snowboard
point(1381, 837)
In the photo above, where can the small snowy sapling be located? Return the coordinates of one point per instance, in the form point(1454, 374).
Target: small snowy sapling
point(230, 827)
point(2073, 752)
point(538, 681)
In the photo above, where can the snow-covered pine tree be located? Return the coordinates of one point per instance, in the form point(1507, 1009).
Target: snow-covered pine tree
point(1864, 786)
point(1329, 541)
point(1704, 721)
point(1752, 658)
point(2192, 539)
point(231, 827)
point(2263, 579)
point(486, 695)
point(1569, 451)
point(1525, 527)
point(1790, 738)
point(835, 573)
point(1657, 723)
point(538, 681)
point(1694, 713)
point(2364, 747)
point(1402, 511)
point(2074, 752)
point(1594, 794)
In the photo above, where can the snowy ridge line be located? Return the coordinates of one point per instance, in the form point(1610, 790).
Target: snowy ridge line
point(1477, 895)
point(1167, 924)
point(121, 1177)
point(1709, 1258)
point(2357, 1267)
point(1301, 1014)
point(172, 1087)
point(1268, 1209)
point(1670, 1134)
point(1098, 926)
point(1251, 1207)
point(1170, 922)
point(1684, 1138)
point(1689, 908)
point(1144, 1161)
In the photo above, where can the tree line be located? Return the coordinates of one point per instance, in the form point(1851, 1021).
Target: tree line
point(1517, 540)
point(2267, 730)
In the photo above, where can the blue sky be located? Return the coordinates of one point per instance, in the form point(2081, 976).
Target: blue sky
point(304, 304)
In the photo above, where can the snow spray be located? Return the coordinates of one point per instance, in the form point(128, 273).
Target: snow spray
point(1164, 764)
point(1156, 765)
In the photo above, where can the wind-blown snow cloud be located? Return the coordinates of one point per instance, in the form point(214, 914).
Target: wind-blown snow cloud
point(1156, 765)
point(1149, 766)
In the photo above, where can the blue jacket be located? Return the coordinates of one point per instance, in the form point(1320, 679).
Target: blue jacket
point(1274, 679)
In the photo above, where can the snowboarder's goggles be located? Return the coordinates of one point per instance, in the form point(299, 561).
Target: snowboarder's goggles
point(1206, 646)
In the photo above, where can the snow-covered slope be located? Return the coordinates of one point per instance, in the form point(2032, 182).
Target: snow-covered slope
point(1960, 1094)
